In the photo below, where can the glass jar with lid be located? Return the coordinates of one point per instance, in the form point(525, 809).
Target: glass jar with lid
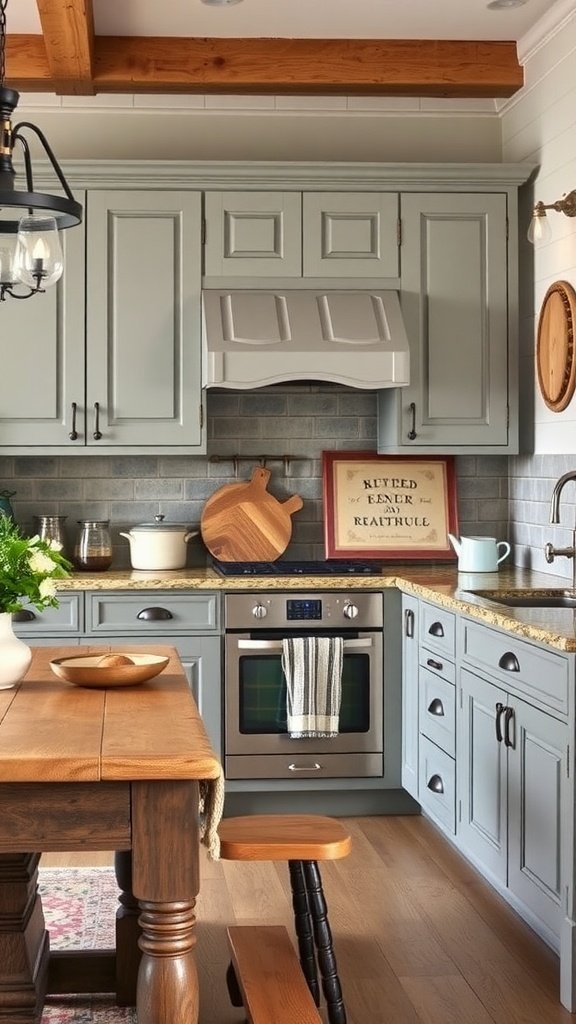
point(51, 528)
point(93, 548)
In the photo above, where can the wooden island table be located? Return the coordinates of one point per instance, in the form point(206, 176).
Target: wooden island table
point(114, 769)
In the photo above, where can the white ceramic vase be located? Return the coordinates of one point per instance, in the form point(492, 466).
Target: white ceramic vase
point(15, 655)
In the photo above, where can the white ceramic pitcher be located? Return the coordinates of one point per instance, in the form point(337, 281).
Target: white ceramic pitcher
point(479, 554)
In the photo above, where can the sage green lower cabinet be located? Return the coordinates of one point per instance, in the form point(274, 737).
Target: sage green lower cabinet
point(190, 622)
point(513, 788)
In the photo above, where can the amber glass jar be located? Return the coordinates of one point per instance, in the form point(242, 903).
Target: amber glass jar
point(93, 549)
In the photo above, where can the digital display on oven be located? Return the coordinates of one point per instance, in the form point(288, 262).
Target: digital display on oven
point(299, 609)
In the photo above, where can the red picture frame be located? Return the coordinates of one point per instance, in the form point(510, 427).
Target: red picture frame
point(399, 507)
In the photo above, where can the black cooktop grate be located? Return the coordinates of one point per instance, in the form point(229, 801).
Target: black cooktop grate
point(286, 568)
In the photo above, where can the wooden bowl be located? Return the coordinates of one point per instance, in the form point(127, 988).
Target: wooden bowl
point(84, 670)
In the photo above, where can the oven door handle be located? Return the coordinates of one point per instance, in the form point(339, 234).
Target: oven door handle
point(276, 645)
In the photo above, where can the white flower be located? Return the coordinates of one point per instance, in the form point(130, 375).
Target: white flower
point(55, 545)
point(47, 588)
point(39, 562)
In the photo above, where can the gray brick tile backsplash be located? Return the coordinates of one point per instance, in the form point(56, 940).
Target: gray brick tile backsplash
point(298, 420)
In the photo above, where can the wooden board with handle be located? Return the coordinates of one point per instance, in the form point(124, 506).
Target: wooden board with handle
point(243, 522)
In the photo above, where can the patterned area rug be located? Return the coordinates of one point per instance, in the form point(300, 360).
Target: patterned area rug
point(79, 907)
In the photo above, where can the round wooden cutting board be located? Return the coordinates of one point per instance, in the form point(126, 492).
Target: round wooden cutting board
point(555, 354)
point(245, 523)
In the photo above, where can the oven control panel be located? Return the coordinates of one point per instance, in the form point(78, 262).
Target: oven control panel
point(275, 610)
point(298, 609)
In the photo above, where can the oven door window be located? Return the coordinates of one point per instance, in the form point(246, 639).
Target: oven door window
point(262, 692)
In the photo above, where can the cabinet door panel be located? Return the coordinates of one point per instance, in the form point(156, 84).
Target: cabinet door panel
point(43, 357)
point(536, 796)
point(143, 318)
point(482, 831)
point(454, 299)
point(350, 235)
point(253, 234)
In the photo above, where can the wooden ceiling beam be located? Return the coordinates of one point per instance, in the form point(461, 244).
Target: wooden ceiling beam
point(396, 67)
point(68, 31)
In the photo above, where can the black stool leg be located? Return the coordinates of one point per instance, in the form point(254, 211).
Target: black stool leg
point(324, 947)
point(303, 926)
point(233, 987)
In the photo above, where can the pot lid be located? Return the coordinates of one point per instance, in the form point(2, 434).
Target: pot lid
point(160, 526)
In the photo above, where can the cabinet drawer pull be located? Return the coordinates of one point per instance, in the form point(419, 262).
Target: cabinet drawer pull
point(412, 432)
point(305, 768)
point(436, 629)
point(154, 614)
point(409, 623)
point(436, 784)
point(73, 435)
point(509, 662)
point(97, 435)
point(438, 665)
point(24, 615)
point(499, 710)
point(436, 707)
point(509, 740)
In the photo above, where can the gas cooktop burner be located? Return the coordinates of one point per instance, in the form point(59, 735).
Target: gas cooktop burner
point(280, 568)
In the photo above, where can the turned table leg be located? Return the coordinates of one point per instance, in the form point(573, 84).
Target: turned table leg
point(165, 881)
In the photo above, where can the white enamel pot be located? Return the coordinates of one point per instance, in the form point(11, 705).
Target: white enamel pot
point(159, 545)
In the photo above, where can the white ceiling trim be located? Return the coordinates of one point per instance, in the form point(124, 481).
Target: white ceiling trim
point(277, 106)
point(545, 29)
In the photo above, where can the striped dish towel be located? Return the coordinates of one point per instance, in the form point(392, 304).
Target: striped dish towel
point(313, 670)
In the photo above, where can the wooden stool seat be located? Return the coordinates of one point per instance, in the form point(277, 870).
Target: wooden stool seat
point(301, 840)
point(283, 837)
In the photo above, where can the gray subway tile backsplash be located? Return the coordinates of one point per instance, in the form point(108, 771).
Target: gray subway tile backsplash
point(293, 420)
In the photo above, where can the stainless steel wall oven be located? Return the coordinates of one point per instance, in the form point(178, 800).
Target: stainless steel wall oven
point(257, 744)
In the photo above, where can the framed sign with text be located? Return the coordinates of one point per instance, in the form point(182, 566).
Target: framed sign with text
point(389, 506)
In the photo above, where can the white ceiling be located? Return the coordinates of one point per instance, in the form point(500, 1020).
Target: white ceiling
point(352, 19)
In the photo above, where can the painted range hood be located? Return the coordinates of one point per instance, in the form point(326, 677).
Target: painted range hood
point(257, 337)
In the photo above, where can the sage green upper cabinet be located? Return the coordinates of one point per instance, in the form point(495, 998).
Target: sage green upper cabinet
point(347, 234)
point(143, 372)
point(43, 356)
point(295, 235)
point(253, 234)
point(454, 297)
point(110, 358)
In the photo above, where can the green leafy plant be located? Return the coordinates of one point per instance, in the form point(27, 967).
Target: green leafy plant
point(29, 569)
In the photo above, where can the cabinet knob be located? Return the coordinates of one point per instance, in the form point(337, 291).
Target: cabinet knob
point(436, 629)
point(436, 784)
point(436, 707)
point(154, 615)
point(509, 662)
point(24, 615)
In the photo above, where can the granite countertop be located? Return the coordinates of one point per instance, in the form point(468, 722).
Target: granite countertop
point(434, 582)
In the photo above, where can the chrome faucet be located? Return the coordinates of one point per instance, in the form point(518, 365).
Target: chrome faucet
point(550, 552)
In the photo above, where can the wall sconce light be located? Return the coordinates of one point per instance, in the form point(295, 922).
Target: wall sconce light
point(539, 230)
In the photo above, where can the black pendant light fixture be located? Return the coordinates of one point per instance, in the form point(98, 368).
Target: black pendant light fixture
point(30, 251)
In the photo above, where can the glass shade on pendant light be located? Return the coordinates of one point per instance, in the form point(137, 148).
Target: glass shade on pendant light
point(38, 260)
point(539, 230)
point(7, 255)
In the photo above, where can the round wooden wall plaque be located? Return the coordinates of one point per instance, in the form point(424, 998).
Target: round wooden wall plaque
point(555, 355)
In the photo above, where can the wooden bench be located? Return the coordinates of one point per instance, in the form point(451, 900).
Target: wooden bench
point(269, 976)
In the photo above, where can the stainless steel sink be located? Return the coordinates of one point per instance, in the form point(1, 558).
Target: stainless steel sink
point(529, 598)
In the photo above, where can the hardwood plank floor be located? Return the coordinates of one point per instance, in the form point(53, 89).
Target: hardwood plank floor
point(420, 937)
